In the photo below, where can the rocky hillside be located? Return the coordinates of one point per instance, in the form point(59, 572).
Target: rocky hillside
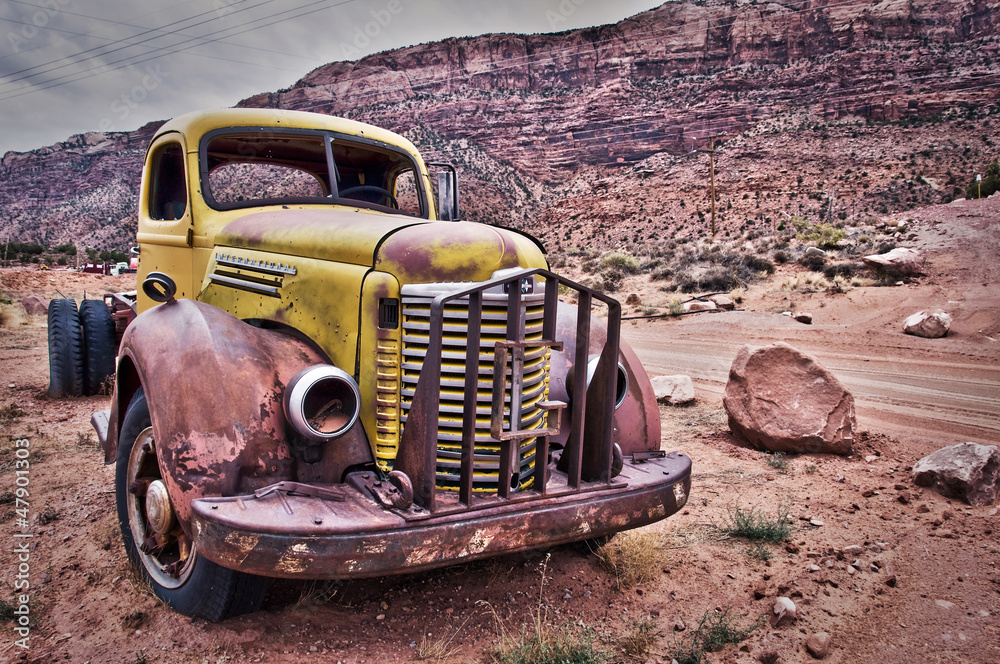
point(832, 110)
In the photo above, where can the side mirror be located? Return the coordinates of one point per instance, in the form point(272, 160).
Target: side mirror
point(447, 193)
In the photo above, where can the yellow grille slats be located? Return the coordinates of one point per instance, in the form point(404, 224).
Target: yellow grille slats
point(415, 319)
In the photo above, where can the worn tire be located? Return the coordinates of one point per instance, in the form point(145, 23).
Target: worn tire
point(203, 589)
point(65, 349)
point(99, 349)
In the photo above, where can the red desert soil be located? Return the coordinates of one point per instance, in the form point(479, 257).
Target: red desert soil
point(913, 396)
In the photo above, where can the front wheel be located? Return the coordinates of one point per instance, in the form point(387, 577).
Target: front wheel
point(155, 542)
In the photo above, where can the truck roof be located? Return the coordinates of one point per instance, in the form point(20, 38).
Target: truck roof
point(195, 125)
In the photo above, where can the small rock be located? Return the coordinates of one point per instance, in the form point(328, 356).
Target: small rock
point(816, 522)
point(804, 317)
point(380, 616)
point(679, 625)
point(783, 611)
point(723, 302)
point(890, 575)
point(384, 605)
point(699, 305)
point(853, 550)
point(904, 497)
point(815, 251)
point(814, 568)
point(923, 509)
point(674, 390)
point(818, 645)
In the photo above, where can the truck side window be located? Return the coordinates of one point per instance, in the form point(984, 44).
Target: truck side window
point(168, 191)
point(406, 193)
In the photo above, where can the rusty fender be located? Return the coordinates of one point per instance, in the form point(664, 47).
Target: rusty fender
point(637, 420)
point(214, 386)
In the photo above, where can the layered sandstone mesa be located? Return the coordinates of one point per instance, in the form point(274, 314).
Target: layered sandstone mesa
point(782, 400)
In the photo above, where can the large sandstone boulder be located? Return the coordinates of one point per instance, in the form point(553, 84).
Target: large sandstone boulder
point(782, 400)
point(966, 471)
point(35, 305)
point(930, 324)
point(674, 390)
point(901, 260)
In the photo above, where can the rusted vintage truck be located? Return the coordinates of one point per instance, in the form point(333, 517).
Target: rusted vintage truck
point(326, 375)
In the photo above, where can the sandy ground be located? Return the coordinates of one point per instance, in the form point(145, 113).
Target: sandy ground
point(913, 396)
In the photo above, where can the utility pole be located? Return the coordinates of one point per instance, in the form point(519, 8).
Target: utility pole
point(711, 174)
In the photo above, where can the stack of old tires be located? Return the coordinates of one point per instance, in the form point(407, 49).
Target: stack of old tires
point(82, 348)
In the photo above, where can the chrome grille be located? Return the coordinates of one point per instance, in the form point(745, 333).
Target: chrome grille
point(416, 302)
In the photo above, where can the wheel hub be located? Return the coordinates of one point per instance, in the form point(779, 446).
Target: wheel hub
point(159, 511)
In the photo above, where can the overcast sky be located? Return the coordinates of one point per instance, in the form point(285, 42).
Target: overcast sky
point(71, 66)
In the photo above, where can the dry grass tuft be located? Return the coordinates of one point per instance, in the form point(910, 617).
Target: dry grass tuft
point(632, 557)
point(641, 639)
point(438, 650)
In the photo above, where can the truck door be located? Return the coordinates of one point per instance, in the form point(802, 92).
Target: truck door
point(166, 228)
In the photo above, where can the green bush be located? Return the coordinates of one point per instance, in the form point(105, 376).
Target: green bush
point(621, 261)
point(826, 236)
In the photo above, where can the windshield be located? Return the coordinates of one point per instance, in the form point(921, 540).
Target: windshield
point(249, 167)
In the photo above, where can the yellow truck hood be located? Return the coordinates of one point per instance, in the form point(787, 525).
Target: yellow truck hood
point(414, 250)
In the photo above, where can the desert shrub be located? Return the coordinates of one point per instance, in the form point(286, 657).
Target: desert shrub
point(759, 264)
point(843, 270)
point(812, 262)
point(826, 236)
point(715, 280)
point(640, 639)
point(621, 261)
point(715, 631)
point(753, 524)
point(612, 280)
point(662, 274)
point(781, 256)
point(777, 461)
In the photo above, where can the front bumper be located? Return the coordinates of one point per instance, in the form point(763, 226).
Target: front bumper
point(295, 536)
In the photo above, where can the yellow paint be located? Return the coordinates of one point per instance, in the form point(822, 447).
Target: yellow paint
point(183, 248)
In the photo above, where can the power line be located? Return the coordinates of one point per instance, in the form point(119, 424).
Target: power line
point(103, 69)
point(120, 41)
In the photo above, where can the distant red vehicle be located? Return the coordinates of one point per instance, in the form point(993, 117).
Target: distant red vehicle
point(98, 268)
